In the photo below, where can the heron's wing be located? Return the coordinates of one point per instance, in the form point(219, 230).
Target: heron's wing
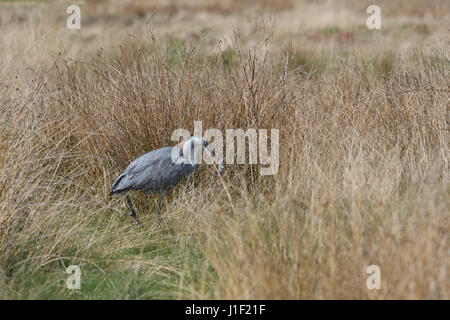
point(163, 175)
point(153, 171)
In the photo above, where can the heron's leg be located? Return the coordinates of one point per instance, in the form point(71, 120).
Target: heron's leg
point(163, 194)
point(133, 213)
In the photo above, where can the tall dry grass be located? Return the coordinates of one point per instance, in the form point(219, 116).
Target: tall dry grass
point(363, 175)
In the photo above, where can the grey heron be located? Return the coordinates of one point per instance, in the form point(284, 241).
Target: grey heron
point(160, 170)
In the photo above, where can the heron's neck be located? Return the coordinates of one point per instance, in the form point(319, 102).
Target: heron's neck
point(192, 153)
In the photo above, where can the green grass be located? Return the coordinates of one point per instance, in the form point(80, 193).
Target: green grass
point(128, 273)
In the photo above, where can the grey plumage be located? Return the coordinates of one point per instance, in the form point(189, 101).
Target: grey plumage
point(152, 172)
point(160, 170)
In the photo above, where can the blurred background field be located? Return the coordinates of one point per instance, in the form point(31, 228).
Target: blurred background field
point(364, 148)
point(35, 29)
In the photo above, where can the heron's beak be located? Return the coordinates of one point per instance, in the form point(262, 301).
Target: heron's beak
point(217, 158)
point(221, 167)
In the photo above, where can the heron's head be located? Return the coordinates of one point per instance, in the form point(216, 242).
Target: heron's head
point(193, 148)
point(194, 141)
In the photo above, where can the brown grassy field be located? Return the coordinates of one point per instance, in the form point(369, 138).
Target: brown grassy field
point(364, 149)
